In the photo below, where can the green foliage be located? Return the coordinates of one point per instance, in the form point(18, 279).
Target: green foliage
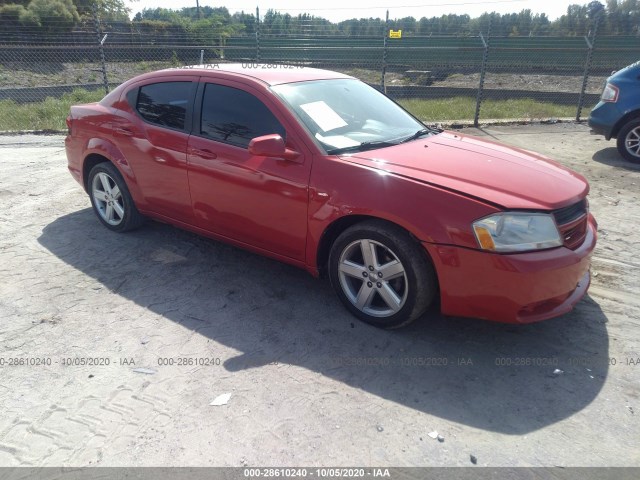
point(24, 3)
point(211, 24)
point(247, 20)
point(59, 15)
point(12, 15)
point(49, 15)
point(109, 10)
point(49, 114)
point(158, 15)
point(463, 108)
point(55, 15)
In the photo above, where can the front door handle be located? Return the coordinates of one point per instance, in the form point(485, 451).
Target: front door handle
point(124, 131)
point(204, 153)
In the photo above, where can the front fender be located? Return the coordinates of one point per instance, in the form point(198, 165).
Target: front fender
point(630, 114)
point(430, 213)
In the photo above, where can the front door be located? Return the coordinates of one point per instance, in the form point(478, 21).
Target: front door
point(257, 200)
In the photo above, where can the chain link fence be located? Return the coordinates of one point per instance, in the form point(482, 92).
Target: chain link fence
point(440, 78)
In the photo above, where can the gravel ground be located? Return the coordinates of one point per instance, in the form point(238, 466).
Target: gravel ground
point(309, 384)
point(26, 74)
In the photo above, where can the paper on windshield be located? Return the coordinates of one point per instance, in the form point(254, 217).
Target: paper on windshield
point(337, 141)
point(321, 113)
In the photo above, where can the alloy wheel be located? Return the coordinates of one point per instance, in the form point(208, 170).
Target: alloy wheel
point(373, 278)
point(108, 199)
point(632, 142)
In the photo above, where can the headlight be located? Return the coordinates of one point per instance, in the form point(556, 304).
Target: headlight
point(517, 232)
point(610, 93)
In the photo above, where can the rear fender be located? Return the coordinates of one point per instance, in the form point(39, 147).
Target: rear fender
point(107, 149)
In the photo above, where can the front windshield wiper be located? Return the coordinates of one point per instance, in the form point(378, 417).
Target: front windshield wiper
point(418, 134)
point(361, 147)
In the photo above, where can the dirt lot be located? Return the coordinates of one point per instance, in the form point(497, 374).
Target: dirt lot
point(309, 385)
point(25, 74)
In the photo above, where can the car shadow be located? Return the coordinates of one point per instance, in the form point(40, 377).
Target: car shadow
point(486, 375)
point(611, 156)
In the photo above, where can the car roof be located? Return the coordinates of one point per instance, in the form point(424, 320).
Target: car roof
point(267, 73)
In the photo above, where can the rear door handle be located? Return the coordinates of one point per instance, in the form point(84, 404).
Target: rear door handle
point(204, 153)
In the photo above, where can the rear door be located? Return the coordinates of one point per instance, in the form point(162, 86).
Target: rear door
point(257, 200)
point(153, 135)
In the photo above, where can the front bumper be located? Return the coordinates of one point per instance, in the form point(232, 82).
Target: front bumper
point(515, 288)
point(603, 119)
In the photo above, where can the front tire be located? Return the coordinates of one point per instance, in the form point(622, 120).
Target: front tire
point(111, 200)
point(628, 141)
point(381, 274)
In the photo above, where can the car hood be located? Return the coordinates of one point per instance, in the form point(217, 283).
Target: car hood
point(506, 176)
point(630, 72)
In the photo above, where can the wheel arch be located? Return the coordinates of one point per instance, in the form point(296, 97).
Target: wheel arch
point(339, 225)
point(101, 150)
point(634, 114)
point(91, 161)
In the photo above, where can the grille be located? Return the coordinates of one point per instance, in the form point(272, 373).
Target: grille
point(571, 213)
point(572, 223)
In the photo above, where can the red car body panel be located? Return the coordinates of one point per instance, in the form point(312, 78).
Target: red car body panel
point(508, 176)
point(522, 288)
point(435, 188)
point(258, 199)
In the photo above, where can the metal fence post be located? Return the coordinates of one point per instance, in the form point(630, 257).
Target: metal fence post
point(384, 53)
point(483, 71)
point(587, 67)
point(101, 40)
point(257, 34)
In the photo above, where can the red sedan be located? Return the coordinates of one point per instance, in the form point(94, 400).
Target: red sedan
point(319, 170)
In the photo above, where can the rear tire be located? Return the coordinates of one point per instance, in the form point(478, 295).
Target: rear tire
point(628, 141)
point(111, 200)
point(381, 274)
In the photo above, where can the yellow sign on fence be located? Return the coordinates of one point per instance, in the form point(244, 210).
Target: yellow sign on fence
point(395, 33)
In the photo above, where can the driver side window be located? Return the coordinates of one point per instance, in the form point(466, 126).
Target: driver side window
point(231, 115)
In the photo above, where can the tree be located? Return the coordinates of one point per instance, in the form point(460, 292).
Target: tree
point(10, 15)
point(54, 15)
point(110, 10)
point(24, 3)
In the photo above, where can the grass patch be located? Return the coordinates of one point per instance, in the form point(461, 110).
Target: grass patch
point(49, 114)
point(463, 108)
point(457, 108)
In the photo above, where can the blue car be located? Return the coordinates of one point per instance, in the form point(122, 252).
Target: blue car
point(617, 115)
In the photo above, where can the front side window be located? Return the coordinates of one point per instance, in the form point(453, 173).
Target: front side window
point(230, 115)
point(164, 103)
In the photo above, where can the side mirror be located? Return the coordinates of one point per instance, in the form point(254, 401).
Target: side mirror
point(271, 146)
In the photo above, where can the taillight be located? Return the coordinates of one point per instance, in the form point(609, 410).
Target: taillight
point(610, 93)
point(69, 124)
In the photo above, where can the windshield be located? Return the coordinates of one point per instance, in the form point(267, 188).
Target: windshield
point(348, 115)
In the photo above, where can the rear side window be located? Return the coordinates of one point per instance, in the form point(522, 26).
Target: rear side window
point(234, 116)
point(164, 103)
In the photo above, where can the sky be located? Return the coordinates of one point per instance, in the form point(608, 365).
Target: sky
point(337, 10)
